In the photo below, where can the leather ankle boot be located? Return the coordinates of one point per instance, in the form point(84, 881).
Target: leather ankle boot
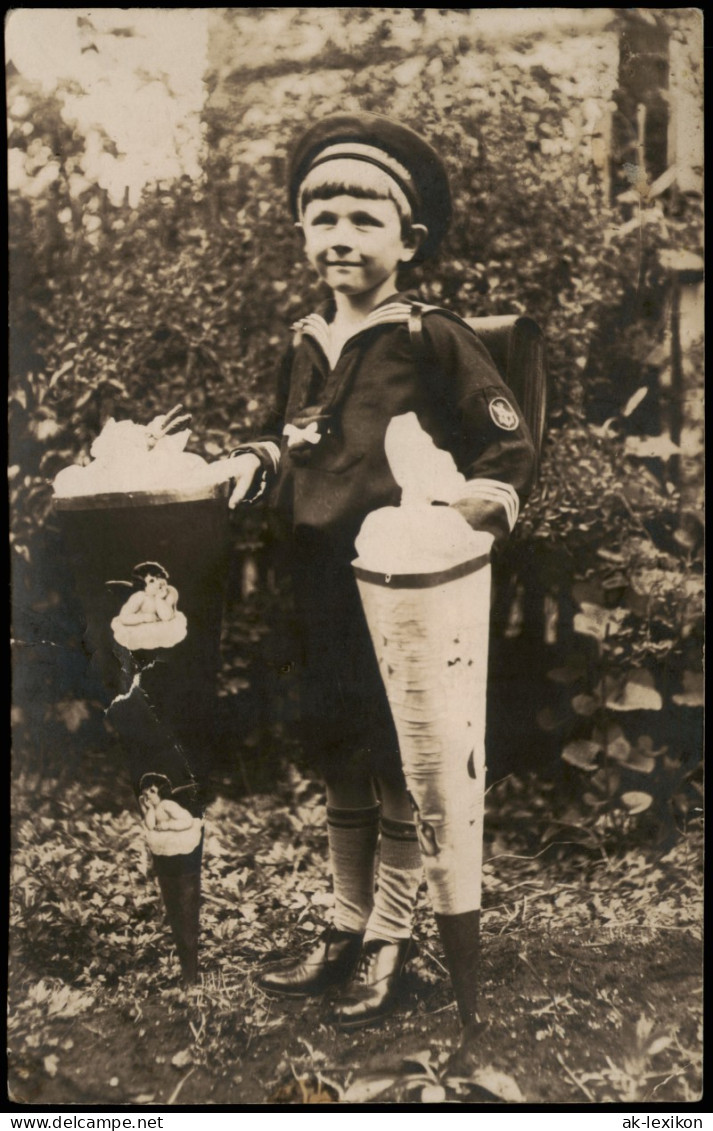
point(330, 963)
point(460, 936)
point(373, 991)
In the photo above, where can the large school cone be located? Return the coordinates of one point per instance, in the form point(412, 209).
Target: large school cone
point(150, 569)
point(430, 634)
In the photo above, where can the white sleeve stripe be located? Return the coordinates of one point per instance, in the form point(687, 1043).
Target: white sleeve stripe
point(272, 451)
point(497, 496)
point(494, 485)
point(510, 511)
point(491, 490)
point(261, 448)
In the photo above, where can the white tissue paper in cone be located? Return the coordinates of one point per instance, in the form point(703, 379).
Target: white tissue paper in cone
point(126, 459)
point(424, 581)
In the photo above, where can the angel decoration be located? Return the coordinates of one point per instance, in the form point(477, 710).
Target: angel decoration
point(170, 828)
point(149, 618)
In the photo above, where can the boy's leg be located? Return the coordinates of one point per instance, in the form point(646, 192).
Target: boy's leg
point(352, 834)
point(338, 711)
point(352, 829)
point(373, 991)
point(400, 868)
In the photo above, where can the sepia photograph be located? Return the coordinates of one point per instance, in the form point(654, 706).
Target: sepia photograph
point(356, 480)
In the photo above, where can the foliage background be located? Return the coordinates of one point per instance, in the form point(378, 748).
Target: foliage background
point(147, 272)
point(186, 291)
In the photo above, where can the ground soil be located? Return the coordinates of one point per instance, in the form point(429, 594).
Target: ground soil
point(556, 1005)
point(591, 977)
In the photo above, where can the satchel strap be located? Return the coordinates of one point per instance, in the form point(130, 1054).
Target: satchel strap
point(419, 341)
point(415, 330)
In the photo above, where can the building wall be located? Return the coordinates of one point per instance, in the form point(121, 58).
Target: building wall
point(265, 63)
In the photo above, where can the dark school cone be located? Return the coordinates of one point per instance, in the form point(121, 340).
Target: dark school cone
point(150, 570)
point(430, 632)
point(460, 939)
point(170, 787)
point(181, 897)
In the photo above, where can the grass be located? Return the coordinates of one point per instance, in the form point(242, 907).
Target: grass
point(591, 975)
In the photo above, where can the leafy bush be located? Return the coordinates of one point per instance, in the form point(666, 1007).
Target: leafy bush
point(628, 680)
point(188, 297)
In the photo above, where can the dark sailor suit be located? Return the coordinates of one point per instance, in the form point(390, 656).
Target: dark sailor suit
point(326, 468)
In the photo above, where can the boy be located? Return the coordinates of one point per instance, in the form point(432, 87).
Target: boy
point(371, 198)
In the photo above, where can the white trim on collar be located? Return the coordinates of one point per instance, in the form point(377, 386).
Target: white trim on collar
point(318, 328)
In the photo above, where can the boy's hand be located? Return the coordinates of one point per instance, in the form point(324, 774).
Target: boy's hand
point(244, 467)
point(481, 514)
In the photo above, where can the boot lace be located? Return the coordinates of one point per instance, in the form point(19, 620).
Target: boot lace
point(367, 957)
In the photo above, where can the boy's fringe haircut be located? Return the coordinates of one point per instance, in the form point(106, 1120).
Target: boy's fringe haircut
point(352, 178)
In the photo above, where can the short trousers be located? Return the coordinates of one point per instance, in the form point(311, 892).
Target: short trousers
point(346, 726)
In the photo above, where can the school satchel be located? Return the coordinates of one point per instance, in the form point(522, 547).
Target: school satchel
point(517, 346)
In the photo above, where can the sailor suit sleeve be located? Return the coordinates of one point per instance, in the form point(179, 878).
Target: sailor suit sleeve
point(492, 445)
point(267, 446)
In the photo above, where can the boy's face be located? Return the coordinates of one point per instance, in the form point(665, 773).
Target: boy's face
point(355, 245)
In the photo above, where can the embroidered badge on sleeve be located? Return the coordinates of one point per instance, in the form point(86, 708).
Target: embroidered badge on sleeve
point(503, 414)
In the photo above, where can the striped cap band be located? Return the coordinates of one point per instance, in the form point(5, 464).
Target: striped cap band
point(372, 156)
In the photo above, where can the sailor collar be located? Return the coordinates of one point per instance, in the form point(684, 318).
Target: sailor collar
point(396, 308)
